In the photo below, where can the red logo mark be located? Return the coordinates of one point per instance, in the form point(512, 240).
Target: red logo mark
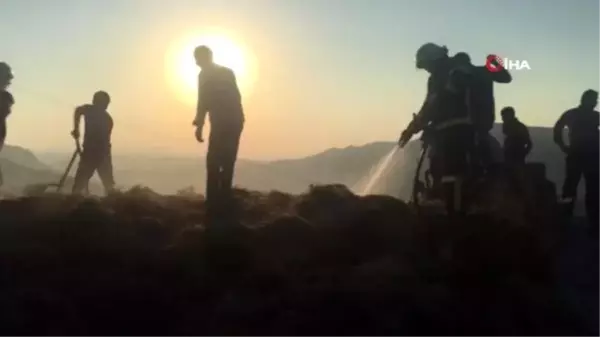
point(494, 63)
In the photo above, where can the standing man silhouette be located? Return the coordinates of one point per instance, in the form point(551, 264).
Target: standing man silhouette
point(483, 104)
point(219, 96)
point(517, 141)
point(517, 146)
point(6, 103)
point(581, 154)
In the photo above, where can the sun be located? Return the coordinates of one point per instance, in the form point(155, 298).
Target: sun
point(182, 71)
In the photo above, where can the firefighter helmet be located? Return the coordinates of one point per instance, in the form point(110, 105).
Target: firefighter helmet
point(429, 53)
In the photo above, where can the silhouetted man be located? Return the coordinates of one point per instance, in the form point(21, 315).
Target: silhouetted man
point(582, 153)
point(517, 142)
point(219, 96)
point(483, 102)
point(96, 153)
point(517, 145)
point(6, 103)
point(446, 114)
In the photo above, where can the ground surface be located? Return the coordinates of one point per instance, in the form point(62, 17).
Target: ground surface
point(325, 262)
point(578, 273)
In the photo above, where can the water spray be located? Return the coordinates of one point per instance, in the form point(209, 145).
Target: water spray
point(380, 169)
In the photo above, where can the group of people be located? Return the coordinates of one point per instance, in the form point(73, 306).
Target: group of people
point(458, 115)
point(218, 96)
point(96, 155)
point(456, 119)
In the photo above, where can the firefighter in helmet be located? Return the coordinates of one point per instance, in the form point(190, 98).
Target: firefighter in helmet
point(446, 114)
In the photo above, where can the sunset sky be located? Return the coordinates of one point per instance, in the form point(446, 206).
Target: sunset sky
point(319, 74)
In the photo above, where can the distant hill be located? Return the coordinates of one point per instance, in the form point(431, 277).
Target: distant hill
point(21, 168)
point(17, 176)
point(23, 157)
point(351, 165)
point(348, 166)
point(166, 174)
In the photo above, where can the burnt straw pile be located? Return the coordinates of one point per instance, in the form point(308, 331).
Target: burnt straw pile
point(324, 262)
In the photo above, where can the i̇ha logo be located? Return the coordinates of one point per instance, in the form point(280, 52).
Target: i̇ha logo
point(495, 63)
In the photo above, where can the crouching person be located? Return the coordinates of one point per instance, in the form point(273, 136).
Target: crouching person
point(96, 147)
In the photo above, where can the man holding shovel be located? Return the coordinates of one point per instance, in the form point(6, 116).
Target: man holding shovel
point(96, 152)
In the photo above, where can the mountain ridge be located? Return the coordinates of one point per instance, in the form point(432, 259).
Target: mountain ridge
point(346, 165)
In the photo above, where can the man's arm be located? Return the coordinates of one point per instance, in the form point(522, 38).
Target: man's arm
point(7, 102)
point(200, 114)
point(527, 137)
point(79, 111)
point(201, 109)
point(233, 80)
point(424, 114)
point(421, 118)
point(502, 76)
point(558, 130)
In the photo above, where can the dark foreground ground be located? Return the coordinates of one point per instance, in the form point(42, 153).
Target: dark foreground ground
point(326, 262)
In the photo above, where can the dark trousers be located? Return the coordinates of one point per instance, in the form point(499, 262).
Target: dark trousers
point(454, 157)
point(220, 164)
point(434, 175)
point(514, 159)
point(2, 139)
point(90, 162)
point(2, 133)
point(582, 164)
point(483, 151)
point(514, 155)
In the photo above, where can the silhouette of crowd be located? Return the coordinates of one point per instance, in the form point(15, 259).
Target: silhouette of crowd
point(456, 118)
point(218, 96)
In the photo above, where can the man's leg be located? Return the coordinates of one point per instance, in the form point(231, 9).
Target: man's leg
point(231, 143)
point(591, 172)
point(446, 153)
point(2, 139)
point(105, 171)
point(457, 146)
point(435, 170)
point(213, 170)
point(471, 166)
point(527, 181)
point(85, 170)
point(574, 170)
point(484, 156)
point(592, 200)
point(515, 173)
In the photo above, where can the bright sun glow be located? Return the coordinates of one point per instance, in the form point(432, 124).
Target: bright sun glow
point(182, 70)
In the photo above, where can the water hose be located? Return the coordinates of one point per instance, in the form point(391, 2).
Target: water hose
point(415, 191)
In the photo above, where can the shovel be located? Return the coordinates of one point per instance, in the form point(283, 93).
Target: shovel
point(42, 188)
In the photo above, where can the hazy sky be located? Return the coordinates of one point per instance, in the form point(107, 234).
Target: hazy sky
point(327, 73)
